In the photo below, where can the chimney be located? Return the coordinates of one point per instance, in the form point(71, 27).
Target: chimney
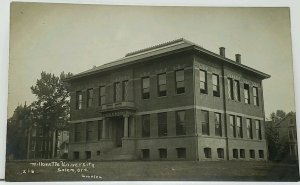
point(238, 58)
point(222, 51)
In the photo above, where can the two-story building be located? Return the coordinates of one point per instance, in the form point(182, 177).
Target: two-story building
point(173, 101)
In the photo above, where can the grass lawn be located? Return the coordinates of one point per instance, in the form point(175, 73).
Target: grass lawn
point(152, 170)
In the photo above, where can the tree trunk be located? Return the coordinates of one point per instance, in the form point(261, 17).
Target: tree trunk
point(54, 144)
point(28, 143)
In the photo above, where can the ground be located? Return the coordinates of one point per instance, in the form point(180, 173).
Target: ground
point(151, 170)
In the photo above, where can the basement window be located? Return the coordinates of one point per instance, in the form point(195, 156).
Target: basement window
point(145, 153)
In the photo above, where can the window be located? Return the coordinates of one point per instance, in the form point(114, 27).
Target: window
point(146, 88)
point(261, 154)
point(179, 77)
point(117, 92)
point(203, 82)
point(258, 129)
point(235, 153)
point(252, 154)
point(125, 90)
point(76, 155)
point(77, 132)
point(205, 122)
point(239, 127)
point(181, 153)
point(89, 131)
point(145, 153)
point(100, 126)
point(146, 125)
point(162, 153)
point(207, 153)
point(216, 85)
point(220, 152)
point(98, 152)
point(88, 154)
point(237, 96)
point(292, 122)
point(102, 95)
point(180, 123)
point(230, 88)
point(218, 125)
point(255, 96)
point(232, 125)
point(242, 153)
point(78, 100)
point(162, 84)
point(90, 94)
point(249, 128)
point(162, 124)
point(246, 93)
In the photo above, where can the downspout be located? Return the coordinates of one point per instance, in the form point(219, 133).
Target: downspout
point(195, 111)
point(225, 112)
point(263, 111)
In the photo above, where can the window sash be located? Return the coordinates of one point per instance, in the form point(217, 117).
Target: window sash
point(145, 87)
point(255, 96)
point(239, 127)
point(146, 126)
point(125, 90)
point(117, 92)
point(216, 85)
point(205, 122)
point(102, 95)
point(218, 125)
point(180, 123)
point(162, 84)
point(232, 125)
point(90, 94)
point(237, 90)
point(162, 124)
point(249, 129)
point(203, 81)
point(246, 93)
point(230, 88)
point(179, 78)
point(78, 100)
point(258, 129)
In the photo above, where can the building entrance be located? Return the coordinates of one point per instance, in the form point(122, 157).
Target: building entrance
point(119, 125)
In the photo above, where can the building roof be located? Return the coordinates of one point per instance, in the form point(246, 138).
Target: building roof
point(167, 47)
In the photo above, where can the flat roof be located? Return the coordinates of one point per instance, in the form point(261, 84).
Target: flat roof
point(174, 45)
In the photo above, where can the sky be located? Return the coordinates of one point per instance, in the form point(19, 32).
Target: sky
point(74, 38)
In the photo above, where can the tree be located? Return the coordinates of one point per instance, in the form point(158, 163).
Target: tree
point(276, 148)
point(17, 132)
point(277, 116)
point(52, 107)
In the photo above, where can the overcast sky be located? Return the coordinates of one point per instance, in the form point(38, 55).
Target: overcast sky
point(73, 38)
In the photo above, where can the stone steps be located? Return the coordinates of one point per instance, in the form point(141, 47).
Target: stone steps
point(116, 154)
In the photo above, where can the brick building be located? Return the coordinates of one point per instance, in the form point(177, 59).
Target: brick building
point(173, 101)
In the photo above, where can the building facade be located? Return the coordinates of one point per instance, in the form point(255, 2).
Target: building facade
point(287, 134)
point(174, 101)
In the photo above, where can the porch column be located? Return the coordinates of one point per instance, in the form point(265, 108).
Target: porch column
point(132, 129)
point(126, 126)
point(103, 129)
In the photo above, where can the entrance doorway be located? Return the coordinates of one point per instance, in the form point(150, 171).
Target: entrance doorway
point(119, 125)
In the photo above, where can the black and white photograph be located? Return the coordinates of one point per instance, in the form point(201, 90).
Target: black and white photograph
point(150, 93)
